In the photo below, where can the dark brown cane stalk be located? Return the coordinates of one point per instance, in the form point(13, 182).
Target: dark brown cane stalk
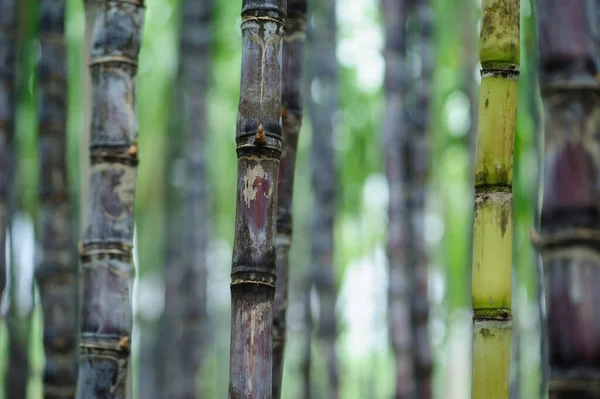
point(570, 220)
point(258, 139)
point(56, 274)
point(416, 168)
point(106, 244)
point(291, 113)
point(394, 12)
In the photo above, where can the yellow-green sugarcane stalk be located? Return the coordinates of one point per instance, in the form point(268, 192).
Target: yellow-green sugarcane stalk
point(492, 227)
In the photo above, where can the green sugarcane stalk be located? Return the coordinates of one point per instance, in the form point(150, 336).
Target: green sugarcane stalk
point(105, 249)
point(499, 54)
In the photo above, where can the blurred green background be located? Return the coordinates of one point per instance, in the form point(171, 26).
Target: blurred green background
point(360, 231)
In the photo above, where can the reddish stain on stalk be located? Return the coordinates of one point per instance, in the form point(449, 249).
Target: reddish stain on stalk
point(263, 189)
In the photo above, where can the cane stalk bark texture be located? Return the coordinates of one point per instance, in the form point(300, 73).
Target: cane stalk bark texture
point(56, 274)
point(8, 53)
point(106, 244)
point(187, 216)
point(258, 140)
point(492, 228)
point(291, 114)
point(570, 219)
point(322, 106)
point(394, 12)
point(415, 169)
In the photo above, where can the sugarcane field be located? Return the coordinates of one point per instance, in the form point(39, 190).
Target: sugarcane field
point(300, 199)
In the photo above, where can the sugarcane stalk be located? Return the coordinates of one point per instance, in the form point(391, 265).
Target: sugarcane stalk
point(291, 114)
point(8, 54)
point(258, 140)
point(394, 12)
point(105, 249)
point(322, 70)
point(415, 176)
point(18, 315)
point(492, 226)
point(56, 274)
point(570, 217)
point(187, 216)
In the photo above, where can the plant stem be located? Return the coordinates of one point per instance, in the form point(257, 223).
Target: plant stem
point(292, 98)
point(8, 62)
point(187, 215)
point(106, 245)
point(415, 182)
point(398, 290)
point(492, 229)
point(570, 223)
point(56, 274)
point(322, 106)
point(258, 139)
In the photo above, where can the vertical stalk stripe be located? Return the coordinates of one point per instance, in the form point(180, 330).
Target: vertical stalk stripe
point(107, 238)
